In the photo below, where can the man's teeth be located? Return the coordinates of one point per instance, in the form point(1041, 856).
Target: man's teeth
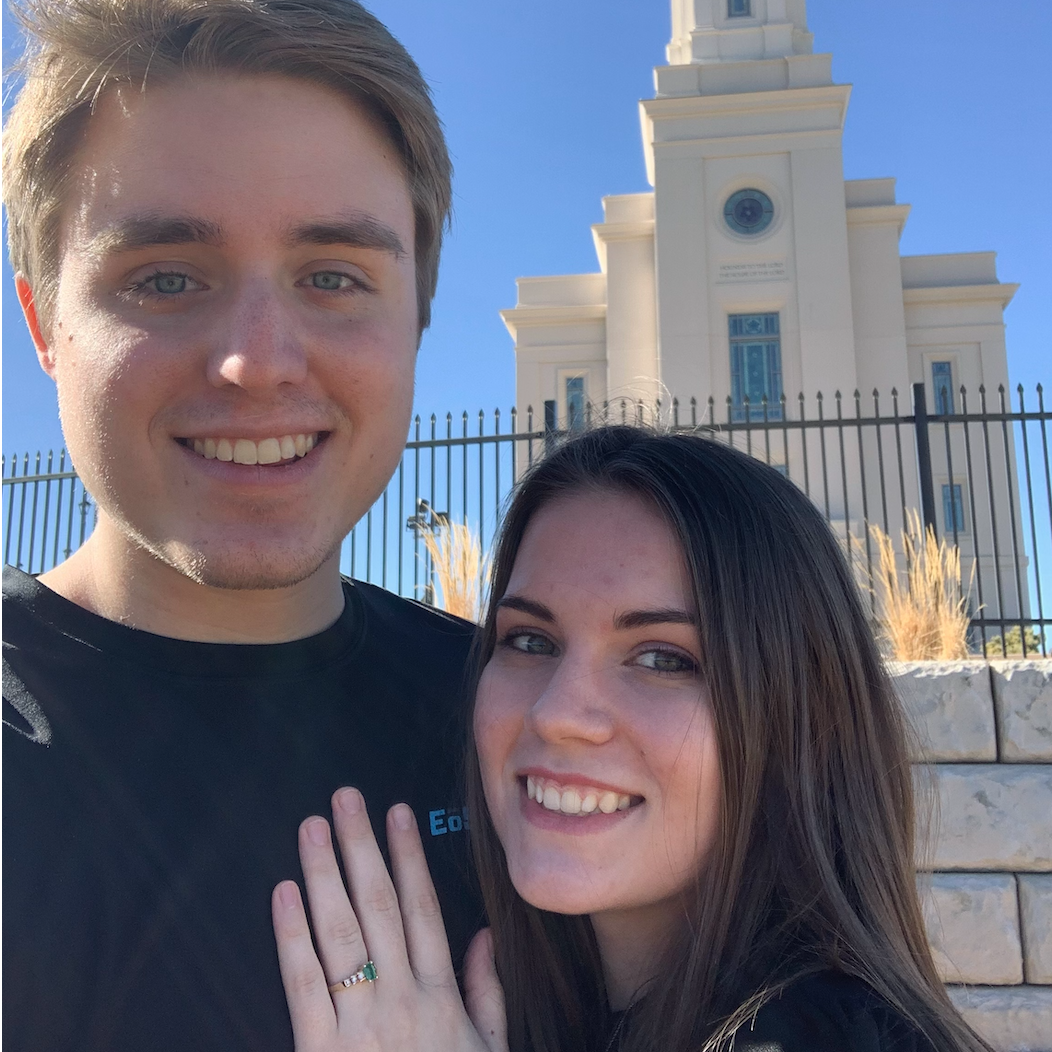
point(581, 800)
point(266, 451)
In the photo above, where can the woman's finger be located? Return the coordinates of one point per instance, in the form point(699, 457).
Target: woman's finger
point(306, 990)
point(372, 891)
point(337, 933)
point(425, 934)
point(483, 993)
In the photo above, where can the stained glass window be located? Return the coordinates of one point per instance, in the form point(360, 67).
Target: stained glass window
point(748, 211)
point(574, 403)
point(952, 508)
point(942, 386)
point(756, 366)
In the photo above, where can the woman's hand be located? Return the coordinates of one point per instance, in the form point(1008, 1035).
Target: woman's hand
point(414, 1004)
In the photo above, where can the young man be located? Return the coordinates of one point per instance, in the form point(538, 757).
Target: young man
point(225, 218)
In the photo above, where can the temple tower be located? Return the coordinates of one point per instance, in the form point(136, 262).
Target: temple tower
point(752, 270)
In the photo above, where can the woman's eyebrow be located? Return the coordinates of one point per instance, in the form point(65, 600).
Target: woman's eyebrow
point(526, 606)
point(643, 618)
point(628, 620)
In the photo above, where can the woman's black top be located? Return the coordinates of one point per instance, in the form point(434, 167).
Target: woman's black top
point(826, 1012)
point(830, 1012)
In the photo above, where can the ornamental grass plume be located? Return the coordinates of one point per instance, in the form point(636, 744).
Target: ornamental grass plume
point(924, 609)
point(460, 568)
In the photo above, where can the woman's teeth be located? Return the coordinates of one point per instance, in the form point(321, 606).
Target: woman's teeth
point(577, 800)
point(245, 451)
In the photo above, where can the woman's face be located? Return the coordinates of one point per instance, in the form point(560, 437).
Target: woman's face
point(594, 701)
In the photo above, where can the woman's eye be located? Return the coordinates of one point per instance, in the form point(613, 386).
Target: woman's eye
point(669, 662)
point(529, 643)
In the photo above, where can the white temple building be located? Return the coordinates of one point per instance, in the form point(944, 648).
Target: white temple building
point(753, 267)
point(753, 270)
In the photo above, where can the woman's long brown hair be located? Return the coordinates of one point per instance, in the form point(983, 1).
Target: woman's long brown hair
point(813, 866)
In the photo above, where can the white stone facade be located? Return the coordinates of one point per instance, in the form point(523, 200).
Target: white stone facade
point(745, 106)
point(983, 733)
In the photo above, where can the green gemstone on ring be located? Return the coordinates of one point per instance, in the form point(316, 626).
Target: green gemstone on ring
point(369, 972)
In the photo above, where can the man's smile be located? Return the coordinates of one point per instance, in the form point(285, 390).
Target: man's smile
point(250, 451)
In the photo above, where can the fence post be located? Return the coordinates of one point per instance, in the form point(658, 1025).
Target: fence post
point(927, 488)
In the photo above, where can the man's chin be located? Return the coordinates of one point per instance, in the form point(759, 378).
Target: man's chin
point(250, 568)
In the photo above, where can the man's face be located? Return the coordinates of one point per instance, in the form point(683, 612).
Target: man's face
point(235, 328)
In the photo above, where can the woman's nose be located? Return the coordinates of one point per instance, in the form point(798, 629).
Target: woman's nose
point(573, 707)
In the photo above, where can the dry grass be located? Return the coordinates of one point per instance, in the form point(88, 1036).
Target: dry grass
point(924, 614)
point(461, 569)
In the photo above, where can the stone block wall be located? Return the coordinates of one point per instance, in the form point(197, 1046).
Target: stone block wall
point(983, 744)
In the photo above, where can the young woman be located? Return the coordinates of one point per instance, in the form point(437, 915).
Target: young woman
point(689, 787)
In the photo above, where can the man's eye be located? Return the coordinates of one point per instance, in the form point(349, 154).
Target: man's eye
point(330, 280)
point(165, 283)
point(668, 662)
point(529, 643)
point(170, 283)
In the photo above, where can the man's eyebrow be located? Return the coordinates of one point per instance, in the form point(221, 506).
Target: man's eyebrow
point(527, 606)
point(148, 230)
point(358, 231)
point(644, 618)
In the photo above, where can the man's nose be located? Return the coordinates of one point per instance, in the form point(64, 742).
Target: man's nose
point(261, 346)
point(575, 706)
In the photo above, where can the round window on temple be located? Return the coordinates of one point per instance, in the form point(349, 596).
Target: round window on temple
point(748, 212)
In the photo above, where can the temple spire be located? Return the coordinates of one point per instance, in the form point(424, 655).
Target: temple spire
point(737, 30)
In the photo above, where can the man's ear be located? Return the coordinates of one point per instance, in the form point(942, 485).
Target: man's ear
point(45, 355)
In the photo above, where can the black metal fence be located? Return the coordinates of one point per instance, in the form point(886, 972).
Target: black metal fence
point(977, 473)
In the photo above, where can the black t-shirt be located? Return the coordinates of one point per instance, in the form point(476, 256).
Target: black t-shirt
point(826, 1012)
point(143, 840)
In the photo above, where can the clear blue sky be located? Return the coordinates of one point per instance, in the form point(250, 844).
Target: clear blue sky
point(540, 105)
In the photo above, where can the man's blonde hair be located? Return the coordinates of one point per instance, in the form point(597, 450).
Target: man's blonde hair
point(78, 49)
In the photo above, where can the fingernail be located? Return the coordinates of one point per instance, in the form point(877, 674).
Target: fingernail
point(287, 895)
point(403, 816)
point(318, 831)
point(350, 801)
